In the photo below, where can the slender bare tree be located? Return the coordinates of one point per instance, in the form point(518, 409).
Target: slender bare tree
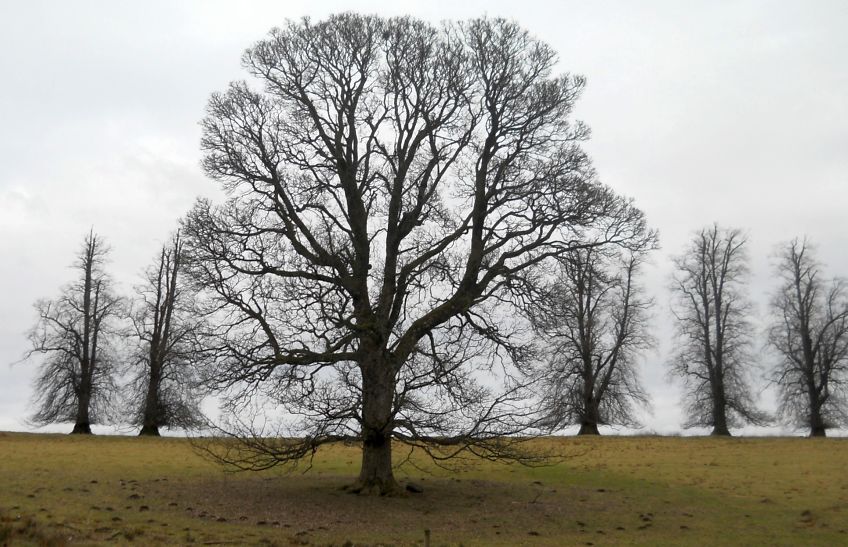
point(396, 190)
point(595, 318)
point(74, 338)
point(714, 333)
point(164, 388)
point(810, 333)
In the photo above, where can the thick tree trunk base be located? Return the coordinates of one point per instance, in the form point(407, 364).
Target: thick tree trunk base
point(588, 429)
point(389, 488)
point(376, 477)
point(81, 429)
point(818, 432)
point(149, 431)
point(720, 432)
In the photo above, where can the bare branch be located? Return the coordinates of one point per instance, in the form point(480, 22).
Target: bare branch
point(396, 190)
point(74, 341)
point(809, 330)
point(713, 354)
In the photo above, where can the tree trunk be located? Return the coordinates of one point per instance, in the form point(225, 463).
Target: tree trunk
point(720, 423)
point(149, 431)
point(151, 419)
point(591, 417)
point(376, 475)
point(82, 425)
point(720, 431)
point(81, 429)
point(817, 428)
point(588, 428)
point(719, 410)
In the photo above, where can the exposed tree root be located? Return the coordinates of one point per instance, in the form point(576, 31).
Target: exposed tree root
point(588, 429)
point(81, 429)
point(388, 488)
point(149, 431)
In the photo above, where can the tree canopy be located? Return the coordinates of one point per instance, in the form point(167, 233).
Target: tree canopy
point(75, 337)
point(396, 191)
point(594, 317)
point(713, 352)
point(809, 331)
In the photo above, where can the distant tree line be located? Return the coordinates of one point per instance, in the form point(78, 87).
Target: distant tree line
point(592, 318)
point(415, 248)
point(715, 347)
point(595, 320)
point(89, 337)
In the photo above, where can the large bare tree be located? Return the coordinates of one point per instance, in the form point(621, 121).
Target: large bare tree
point(595, 318)
point(810, 332)
point(74, 338)
point(396, 191)
point(714, 332)
point(164, 390)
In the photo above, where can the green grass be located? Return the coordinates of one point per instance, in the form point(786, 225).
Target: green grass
point(57, 489)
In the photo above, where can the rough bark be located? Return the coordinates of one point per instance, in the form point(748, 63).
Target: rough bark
point(588, 428)
point(152, 412)
point(591, 418)
point(81, 424)
point(81, 428)
point(818, 431)
point(376, 473)
point(720, 428)
point(149, 430)
point(151, 415)
point(817, 423)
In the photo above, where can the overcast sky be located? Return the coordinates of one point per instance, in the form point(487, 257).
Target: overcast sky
point(735, 112)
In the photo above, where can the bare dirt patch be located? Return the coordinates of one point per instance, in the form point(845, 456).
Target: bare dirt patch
point(317, 509)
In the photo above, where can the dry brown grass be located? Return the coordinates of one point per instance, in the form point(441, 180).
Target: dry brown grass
point(610, 491)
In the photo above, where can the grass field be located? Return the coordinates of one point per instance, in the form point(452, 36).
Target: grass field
point(58, 489)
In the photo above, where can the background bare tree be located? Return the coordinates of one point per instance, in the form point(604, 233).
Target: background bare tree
point(595, 318)
point(164, 390)
point(395, 190)
point(810, 332)
point(74, 337)
point(713, 353)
